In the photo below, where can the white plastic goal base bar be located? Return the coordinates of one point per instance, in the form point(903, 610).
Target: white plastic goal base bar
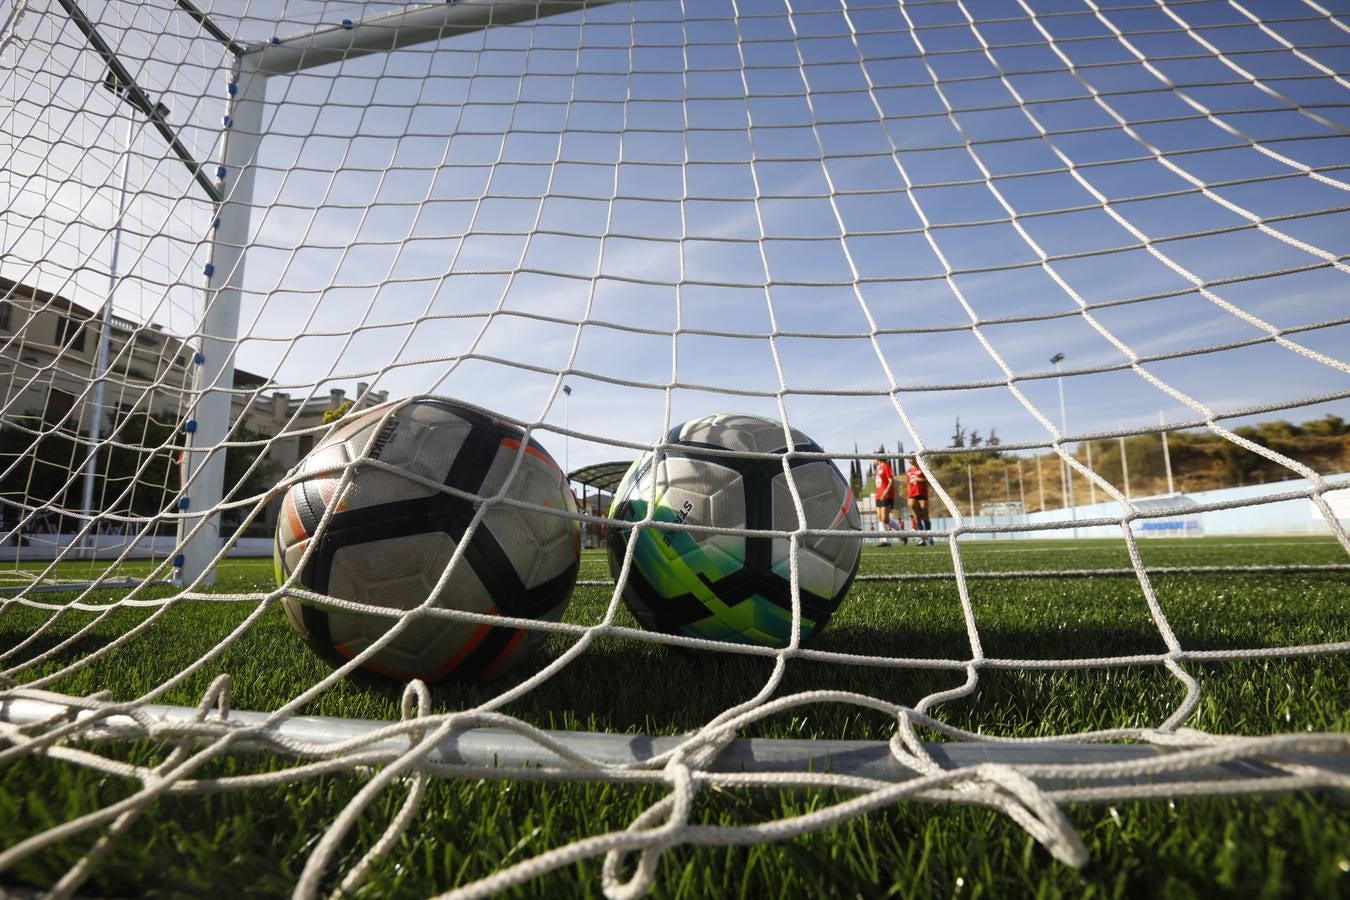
point(502, 750)
point(59, 587)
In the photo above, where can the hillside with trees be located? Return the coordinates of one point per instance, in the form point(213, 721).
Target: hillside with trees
point(1201, 460)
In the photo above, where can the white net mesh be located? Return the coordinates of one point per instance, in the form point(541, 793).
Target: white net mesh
point(225, 229)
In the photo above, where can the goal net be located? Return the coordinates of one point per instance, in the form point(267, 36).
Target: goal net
point(1081, 265)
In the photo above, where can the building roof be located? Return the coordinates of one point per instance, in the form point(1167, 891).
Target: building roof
point(10, 289)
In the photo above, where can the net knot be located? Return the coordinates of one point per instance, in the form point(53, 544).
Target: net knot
point(676, 807)
point(1036, 813)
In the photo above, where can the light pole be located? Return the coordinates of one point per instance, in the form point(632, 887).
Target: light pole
point(1167, 455)
point(1064, 430)
point(1092, 485)
point(567, 438)
point(89, 545)
point(1040, 481)
point(1124, 467)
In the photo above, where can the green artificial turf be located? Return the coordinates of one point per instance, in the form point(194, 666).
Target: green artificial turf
point(255, 842)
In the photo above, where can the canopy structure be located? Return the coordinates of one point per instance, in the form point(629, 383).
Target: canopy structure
point(604, 477)
point(1174, 502)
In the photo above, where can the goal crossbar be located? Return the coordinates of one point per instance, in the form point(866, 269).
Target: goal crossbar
point(394, 30)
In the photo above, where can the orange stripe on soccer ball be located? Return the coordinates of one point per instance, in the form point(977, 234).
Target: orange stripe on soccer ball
point(504, 655)
point(843, 510)
point(479, 633)
point(327, 489)
point(374, 666)
point(511, 444)
point(292, 518)
point(444, 668)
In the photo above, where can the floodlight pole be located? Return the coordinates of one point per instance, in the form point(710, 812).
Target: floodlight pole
point(1021, 489)
point(1167, 455)
point(567, 438)
point(1092, 485)
point(1064, 430)
point(1124, 467)
point(89, 544)
point(585, 510)
point(1040, 481)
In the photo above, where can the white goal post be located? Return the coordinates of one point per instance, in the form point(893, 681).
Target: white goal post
point(200, 540)
point(597, 219)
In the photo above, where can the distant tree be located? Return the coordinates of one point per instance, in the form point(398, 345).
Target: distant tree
point(147, 466)
point(135, 469)
point(332, 415)
point(35, 464)
point(1238, 462)
point(1279, 430)
point(958, 434)
point(1328, 426)
point(238, 460)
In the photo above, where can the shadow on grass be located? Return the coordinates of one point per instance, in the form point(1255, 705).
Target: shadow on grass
point(24, 625)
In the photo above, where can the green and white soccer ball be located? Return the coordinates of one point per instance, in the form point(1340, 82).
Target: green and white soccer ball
point(391, 537)
point(730, 587)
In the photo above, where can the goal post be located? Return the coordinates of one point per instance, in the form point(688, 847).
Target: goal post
point(1106, 240)
point(199, 534)
point(243, 123)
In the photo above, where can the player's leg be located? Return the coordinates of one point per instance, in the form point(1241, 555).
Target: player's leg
point(893, 521)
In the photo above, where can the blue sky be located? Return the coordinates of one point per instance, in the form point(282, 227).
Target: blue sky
point(653, 206)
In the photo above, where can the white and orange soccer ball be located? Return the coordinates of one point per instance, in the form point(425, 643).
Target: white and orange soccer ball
point(392, 536)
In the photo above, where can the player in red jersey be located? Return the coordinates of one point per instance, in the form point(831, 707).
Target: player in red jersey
point(918, 501)
point(886, 500)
